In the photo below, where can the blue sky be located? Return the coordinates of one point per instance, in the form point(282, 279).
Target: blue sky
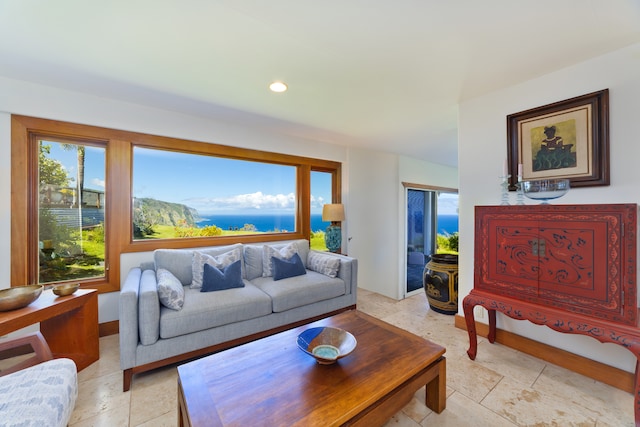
point(208, 184)
point(448, 204)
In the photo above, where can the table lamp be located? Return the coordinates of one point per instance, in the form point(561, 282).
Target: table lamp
point(333, 234)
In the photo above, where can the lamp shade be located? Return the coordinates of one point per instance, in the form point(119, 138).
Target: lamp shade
point(333, 212)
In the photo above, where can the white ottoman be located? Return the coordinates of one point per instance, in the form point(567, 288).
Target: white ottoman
point(42, 395)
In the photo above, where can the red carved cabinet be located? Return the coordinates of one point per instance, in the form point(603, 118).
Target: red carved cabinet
point(569, 267)
point(579, 258)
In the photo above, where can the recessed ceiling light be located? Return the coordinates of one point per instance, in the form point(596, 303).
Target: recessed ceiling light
point(278, 87)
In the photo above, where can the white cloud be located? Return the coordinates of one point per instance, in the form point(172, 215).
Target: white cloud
point(317, 202)
point(98, 182)
point(246, 202)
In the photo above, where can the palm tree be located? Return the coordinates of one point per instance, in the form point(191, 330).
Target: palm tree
point(79, 182)
point(80, 175)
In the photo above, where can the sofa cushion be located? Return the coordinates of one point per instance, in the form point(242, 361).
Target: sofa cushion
point(253, 261)
point(323, 263)
point(206, 310)
point(220, 261)
point(300, 290)
point(285, 268)
point(170, 290)
point(178, 261)
point(214, 279)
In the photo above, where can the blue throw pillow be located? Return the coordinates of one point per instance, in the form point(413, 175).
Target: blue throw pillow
point(214, 279)
point(283, 268)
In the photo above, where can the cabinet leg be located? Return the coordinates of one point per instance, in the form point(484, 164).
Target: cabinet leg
point(467, 306)
point(492, 326)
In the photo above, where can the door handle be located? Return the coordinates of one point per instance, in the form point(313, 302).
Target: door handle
point(538, 247)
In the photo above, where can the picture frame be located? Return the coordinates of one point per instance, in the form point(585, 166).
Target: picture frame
point(566, 139)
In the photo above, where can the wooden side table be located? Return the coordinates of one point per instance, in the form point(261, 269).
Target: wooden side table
point(69, 324)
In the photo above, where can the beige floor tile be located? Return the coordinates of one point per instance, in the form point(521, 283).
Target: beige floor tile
point(470, 378)
point(100, 395)
point(401, 420)
point(464, 412)
point(527, 406)
point(509, 363)
point(155, 393)
point(417, 409)
point(169, 419)
point(117, 417)
point(109, 361)
point(609, 405)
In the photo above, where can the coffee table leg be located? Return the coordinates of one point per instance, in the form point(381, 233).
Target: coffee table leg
point(437, 388)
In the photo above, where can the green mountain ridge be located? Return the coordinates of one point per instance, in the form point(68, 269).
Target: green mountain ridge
point(165, 213)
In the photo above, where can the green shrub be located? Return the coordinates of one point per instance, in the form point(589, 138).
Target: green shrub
point(447, 243)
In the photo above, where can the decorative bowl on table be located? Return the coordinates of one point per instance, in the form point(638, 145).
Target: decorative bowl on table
point(18, 297)
point(65, 289)
point(545, 189)
point(326, 344)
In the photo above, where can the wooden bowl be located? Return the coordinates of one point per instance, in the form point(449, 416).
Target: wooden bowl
point(18, 297)
point(66, 289)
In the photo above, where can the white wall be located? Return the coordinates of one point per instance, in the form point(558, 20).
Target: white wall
point(482, 150)
point(373, 217)
point(371, 180)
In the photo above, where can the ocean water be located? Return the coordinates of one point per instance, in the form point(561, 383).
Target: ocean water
point(264, 223)
point(447, 224)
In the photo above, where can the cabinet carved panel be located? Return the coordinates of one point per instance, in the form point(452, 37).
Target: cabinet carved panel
point(579, 258)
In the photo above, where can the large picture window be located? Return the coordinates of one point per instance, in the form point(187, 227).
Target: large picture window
point(179, 195)
point(82, 195)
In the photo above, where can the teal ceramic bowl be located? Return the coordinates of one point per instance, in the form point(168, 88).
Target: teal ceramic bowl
point(326, 344)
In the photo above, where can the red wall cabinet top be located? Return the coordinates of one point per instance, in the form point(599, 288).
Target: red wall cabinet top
point(580, 258)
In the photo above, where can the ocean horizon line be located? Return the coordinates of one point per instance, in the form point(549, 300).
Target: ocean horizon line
point(273, 222)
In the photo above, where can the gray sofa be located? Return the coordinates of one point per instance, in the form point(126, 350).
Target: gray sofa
point(153, 335)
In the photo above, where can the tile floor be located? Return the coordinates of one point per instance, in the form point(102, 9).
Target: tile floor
point(503, 387)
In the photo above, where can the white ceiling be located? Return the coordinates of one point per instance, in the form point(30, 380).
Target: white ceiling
point(385, 74)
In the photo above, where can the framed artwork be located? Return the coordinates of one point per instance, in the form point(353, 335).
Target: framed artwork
point(567, 139)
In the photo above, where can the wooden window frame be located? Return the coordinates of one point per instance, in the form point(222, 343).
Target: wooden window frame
point(118, 199)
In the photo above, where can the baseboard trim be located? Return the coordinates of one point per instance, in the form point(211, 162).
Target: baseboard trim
point(108, 328)
point(590, 368)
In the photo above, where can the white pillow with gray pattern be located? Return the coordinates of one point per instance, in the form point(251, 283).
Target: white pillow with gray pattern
point(325, 264)
point(170, 290)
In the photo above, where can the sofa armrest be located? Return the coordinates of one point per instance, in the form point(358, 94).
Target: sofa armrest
point(128, 318)
point(349, 273)
point(348, 270)
point(148, 309)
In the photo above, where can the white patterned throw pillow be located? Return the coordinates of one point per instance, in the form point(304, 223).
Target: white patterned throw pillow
point(285, 252)
point(170, 290)
point(219, 261)
point(325, 264)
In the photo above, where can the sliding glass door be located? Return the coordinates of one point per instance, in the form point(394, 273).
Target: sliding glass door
point(432, 223)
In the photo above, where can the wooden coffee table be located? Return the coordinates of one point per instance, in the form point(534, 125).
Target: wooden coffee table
point(271, 382)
